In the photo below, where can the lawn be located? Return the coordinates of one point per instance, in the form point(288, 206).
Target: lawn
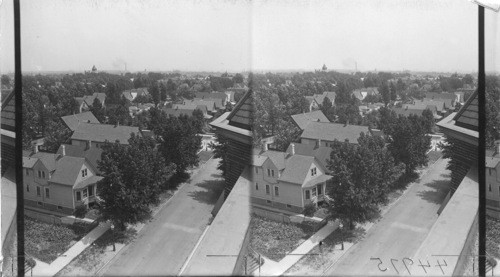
point(434, 156)
point(46, 241)
point(493, 237)
point(275, 239)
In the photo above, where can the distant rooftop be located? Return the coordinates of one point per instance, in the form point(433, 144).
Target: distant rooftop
point(334, 131)
point(104, 132)
point(303, 119)
point(72, 121)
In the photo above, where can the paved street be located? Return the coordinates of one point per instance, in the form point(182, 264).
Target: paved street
point(165, 243)
point(402, 229)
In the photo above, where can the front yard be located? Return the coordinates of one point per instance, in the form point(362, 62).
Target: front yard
point(275, 239)
point(46, 241)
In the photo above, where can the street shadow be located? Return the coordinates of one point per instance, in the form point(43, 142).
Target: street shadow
point(404, 180)
point(437, 194)
point(345, 235)
point(213, 189)
point(217, 175)
point(176, 180)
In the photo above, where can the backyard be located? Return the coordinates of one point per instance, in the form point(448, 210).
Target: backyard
point(493, 237)
point(46, 241)
point(275, 239)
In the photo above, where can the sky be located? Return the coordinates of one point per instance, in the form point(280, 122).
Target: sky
point(242, 35)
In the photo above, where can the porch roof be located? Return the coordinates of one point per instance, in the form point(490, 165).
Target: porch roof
point(91, 180)
point(317, 180)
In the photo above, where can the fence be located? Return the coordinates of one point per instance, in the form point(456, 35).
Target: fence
point(48, 218)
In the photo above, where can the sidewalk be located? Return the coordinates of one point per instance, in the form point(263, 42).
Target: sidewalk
point(272, 268)
point(44, 269)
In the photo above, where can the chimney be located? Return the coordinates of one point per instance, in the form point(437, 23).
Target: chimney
point(35, 148)
point(63, 148)
point(292, 149)
point(89, 144)
point(497, 147)
point(319, 142)
point(264, 146)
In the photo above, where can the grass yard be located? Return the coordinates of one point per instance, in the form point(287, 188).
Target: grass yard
point(46, 241)
point(493, 237)
point(434, 156)
point(275, 239)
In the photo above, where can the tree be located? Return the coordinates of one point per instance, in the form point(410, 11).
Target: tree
point(386, 94)
point(408, 142)
point(98, 110)
point(56, 133)
point(163, 92)
point(134, 176)
point(428, 121)
point(220, 150)
point(468, 79)
point(361, 176)
point(394, 92)
point(238, 78)
point(179, 141)
point(492, 109)
point(154, 90)
point(5, 80)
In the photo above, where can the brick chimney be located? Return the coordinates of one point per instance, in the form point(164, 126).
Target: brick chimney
point(292, 149)
point(63, 150)
point(264, 146)
point(35, 148)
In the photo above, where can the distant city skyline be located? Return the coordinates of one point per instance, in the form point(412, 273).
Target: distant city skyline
point(239, 36)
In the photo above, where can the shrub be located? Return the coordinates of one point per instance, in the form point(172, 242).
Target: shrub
point(31, 262)
point(80, 211)
point(309, 210)
point(492, 261)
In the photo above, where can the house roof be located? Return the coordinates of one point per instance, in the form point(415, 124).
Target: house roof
point(358, 93)
point(90, 180)
point(319, 179)
point(92, 154)
point(8, 117)
point(437, 95)
point(321, 153)
point(49, 160)
point(89, 99)
point(277, 157)
point(104, 132)
point(178, 112)
point(301, 120)
point(68, 169)
point(468, 116)
point(319, 98)
point(242, 114)
point(297, 167)
point(408, 111)
point(201, 102)
point(333, 131)
point(257, 159)
point(72, 121)
point(29, 162)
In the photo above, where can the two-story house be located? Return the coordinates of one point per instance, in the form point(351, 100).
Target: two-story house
point(286, 180)
point(57, 182)
point(493, 181)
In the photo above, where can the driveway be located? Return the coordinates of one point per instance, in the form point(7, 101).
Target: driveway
point(402, 229)
point(164, 244)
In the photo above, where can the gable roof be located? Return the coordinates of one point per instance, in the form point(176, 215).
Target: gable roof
point(68, 169)
point(104, 132)
point(8, 117)
point(72, 121)
point(242, 114)
point(492, 158)
point(49, 160)
point(201, 102)
point(297, 167)
point(301, 120)
point(321, 153)
point(319, 98)
point(468, 116)
point(276, 157)
point(89, 99)
point(333, 131)
point(92, 154)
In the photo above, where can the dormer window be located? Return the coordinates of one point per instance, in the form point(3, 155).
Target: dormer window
point(313, 171)
point(272, 172)
point(84, 172)
point(41, 174)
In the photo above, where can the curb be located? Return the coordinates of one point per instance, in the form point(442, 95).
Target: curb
point(194, 250)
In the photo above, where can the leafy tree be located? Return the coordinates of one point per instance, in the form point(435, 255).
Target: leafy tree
point(134, 176)
point(492, 109)
point(238, 78)
point(154, 91)
point(220, 150)
point(198, 120)
point(428, 121)
point(361, 176)
point(408, 142)
point(98, 110)
point(394, 92)
point(179, 141)
point(5, 80)
point(163, 92)
point(56, 133)
point(468, 79)
point(385, 92)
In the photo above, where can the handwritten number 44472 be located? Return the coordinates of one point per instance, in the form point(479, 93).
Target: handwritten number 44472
point(406, 262)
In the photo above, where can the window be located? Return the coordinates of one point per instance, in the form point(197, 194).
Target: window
point(38, 191)
point(256, 186)
point(314, 192)
point(268, 172)
point(27, 172)
point(308, 194)
point(84, 193)
point(47, 193)
point(91, 190)
point(84, 172)
point(313, 171)
point(276, 191)
point(43, 174)
point(269, 201)
point(320, 190)
point(78, 196)
point(256, 170)
point(272, 172)
point(268, 190)
point(59, 207)
point(27, 188)
point(489, 187)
